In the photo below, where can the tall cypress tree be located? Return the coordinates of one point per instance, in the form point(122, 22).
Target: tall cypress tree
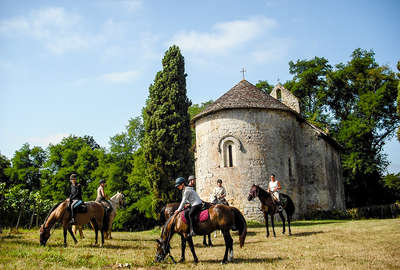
point(167, 129)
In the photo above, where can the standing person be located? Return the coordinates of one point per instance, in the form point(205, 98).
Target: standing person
point(274, 186)
point(191, 197)
point(75, 198)
point(219, 193)
point(101, 195)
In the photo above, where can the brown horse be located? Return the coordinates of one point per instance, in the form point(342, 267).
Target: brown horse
point(221, 217)
point(269, 207)
point(117, 201)
point(167, 212)
point(60, 213)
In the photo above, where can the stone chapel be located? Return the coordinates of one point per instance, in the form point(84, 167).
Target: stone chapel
point(246, 135)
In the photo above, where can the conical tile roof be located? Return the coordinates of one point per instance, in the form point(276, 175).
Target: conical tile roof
point(243, 95)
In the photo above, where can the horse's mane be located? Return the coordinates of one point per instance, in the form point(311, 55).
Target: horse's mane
point(51, 211)
point(263, 192)
point(168, 228)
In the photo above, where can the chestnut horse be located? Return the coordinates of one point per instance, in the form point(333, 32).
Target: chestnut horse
point(221, 217)
point(60, 213)
point(167, 212)
point(269, 207)
point(117, 201)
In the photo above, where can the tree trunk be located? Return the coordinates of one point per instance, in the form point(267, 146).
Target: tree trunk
point(30, 223)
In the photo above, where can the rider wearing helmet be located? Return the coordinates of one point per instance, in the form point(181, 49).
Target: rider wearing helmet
point(75, 198)
point(191, 197)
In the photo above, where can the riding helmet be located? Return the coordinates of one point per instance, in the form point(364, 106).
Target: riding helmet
point(179, 181)
point(102, 181)
point(73, 176)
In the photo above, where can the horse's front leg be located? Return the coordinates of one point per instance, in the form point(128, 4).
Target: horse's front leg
point(72, 234)
point(205, 240)
point(273, 225)
point(102, 237)
point(190, 241)
point(283, 221)
point(288, 222)
point(183, 248)
point(266, 223)
point(65, 236)
point(210, 244)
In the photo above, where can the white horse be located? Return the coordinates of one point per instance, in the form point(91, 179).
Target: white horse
point(117, 201)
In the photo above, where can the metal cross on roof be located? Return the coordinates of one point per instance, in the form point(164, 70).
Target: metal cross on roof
point(243, 71)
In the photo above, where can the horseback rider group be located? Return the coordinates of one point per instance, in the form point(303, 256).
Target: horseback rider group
point(75, 197)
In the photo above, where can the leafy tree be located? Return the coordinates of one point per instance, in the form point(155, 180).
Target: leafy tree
point(356, 102)
point(168, 138)
point(265, 86)
point(4, 165)
point(361, 97)
point(392, 182)
point(72, 155)
point(309, 85)
point(26, 167)
point(398, 99)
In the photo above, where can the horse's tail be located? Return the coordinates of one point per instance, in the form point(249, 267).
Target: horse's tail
point(289, 209)
point(106, 219)
point(240, 224)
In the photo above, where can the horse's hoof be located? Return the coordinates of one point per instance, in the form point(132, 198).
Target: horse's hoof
point(210, 245)
point(196, 261)
point(223, 262)
point(181, 260)
point(65, 245)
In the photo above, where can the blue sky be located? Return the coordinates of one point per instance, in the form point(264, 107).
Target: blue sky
point(84, 67)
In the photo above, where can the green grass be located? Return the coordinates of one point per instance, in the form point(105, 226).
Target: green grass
point(324, 244)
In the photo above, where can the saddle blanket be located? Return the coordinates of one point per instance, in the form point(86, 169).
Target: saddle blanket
point(203, 216)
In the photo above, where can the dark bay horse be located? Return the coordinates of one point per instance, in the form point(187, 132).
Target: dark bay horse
point(269, 207)
point(221, 217)
point(60, 213)
point(167, 212)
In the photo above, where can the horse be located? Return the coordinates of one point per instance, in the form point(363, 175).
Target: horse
point(269, 207)
point(221, 217)
point(168, 210)
point(60, 213)
point(117, 201)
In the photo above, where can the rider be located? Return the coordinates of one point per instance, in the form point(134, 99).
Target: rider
point(273, 187)
point(191, 197)
point(101, 195)
point(219, 193)
point(75, 198)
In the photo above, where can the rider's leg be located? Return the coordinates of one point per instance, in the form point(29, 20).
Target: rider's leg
point(194, 210)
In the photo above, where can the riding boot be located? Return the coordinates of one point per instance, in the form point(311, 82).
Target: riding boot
point(73, 221)
point(192, 233)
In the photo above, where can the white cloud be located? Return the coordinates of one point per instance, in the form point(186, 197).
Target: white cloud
point(45, 141)
point(121, 77)
point(59, 30)
point(224, 36)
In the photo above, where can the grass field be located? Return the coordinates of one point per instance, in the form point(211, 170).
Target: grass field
point(327, 244)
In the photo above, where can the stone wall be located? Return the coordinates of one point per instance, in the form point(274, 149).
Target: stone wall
point(264, 142)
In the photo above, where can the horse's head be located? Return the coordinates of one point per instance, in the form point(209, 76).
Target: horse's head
point(253, 192)
point(44, 235)
point(121, 200)
point(163, 249)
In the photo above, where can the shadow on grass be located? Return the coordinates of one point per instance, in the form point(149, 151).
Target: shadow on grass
point(242, 260)
point(10, 236)
point(297, 223)
point(301, 234)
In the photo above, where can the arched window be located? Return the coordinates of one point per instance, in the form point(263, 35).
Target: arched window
point(279, 94)
point(229, 148)
point(228, 153)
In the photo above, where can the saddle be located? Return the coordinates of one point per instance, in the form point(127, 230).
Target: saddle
point(201, 217)
point(81, 208)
